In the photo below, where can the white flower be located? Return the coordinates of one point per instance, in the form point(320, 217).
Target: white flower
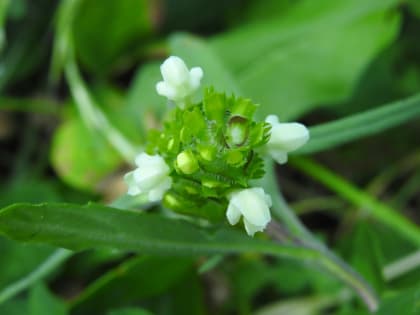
point(253, 204)
point(178, 83)
point(285, 137)
point(151, 177)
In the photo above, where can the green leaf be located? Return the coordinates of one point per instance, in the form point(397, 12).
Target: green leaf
point(94, 226)
point(42, 302)
point(367, 257)
point(332, 134)
point(405, 302)
point(100, 43)
point(129, 311)
point(4, 5)
point(374, 208)
point(28, 256)
point(187, 297)
point(312, 54)
point(35, 105)
point(197, 52)
point(73, 147)
point(28, 46)
point(15, 307)
point(82, 227)
point(141, 277)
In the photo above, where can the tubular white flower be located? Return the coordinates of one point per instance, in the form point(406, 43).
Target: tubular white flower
point(254, 205)
point(178, 83)
point(151, 177)
point(285, 137)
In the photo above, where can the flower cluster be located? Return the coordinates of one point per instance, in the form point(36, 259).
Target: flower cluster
point(203, 160)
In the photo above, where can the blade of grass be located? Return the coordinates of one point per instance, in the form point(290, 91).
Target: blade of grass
point(378, 210)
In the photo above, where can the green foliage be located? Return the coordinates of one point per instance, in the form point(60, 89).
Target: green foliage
point(130, 23)
point(42, 302)
point(138, 278)
point(73, 147)
point(90, 226)
point(309, 55)
point(129, 311)
point(404, 302)
point(26, 50)
point(292, 57)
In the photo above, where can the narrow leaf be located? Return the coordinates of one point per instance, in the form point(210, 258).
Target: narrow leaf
point(332, 134)
point(92, 226)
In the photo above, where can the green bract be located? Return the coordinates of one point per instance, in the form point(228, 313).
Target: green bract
point(210, 147)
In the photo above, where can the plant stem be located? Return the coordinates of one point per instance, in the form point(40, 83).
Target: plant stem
point(93, 116)
point(402, 266)
point(381, 212)
point(52, 262)
point(294, 231)
point(331, 263)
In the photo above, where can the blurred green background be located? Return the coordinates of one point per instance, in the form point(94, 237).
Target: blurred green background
point(305, 60)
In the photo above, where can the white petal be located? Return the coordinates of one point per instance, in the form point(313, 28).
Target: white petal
point(145, 160)
point(272, 119)
point(156, 194)
point(278, 156)
point(251, 229)
point(133, 189)
point(288, 136)
point(174, 71)
point(148, 178)
point(233, 214)
point(196, 74)
point(263, 195)
point(164, 89)
point(252, 206)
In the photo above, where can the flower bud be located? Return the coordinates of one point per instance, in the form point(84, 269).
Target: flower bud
point(178, 83)
point(186, 162)
point(151, 177)
point(253, 204)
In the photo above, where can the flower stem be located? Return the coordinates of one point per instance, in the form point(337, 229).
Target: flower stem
point(93, 116)
point(329, 262)
point(294, 231)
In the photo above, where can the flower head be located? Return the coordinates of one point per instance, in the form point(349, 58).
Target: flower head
point(151, 177)
point(285, 137)
point(253, 204)
point(178, 83)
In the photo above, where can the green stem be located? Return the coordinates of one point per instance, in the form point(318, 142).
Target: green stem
point(64, 56)
point(381, 212)
point(43, 270)
point(332, 264)
point(93, 116)
point(301, 236)
point(280, 208)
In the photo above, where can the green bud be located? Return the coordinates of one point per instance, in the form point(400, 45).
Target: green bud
point(171, 201)
point(237, 131)
point(187, 163)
